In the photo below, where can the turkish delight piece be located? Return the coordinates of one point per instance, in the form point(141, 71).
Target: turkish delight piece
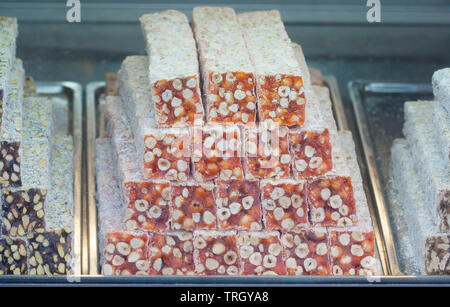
point(194, 206)
point(279, 78)
point(13, 256)
point(437, 259)
point(284, 204)
point(306, 252)
point(10, 164)
point(50, 253)
point(352, 252)
point(441, 87)
point(23, 211)
point(419, 130)
point(173, 68)
point(238, 205)
point(261, 253)
point(126, 253)
point(227, 73)
point(8, 35)
point(266, 152)
point(172, 253)
point(219, 157)
point(216, 252)
point(311, 153)
point(37, 118)
point(441, 119)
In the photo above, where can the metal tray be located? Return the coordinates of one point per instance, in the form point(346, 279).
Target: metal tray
point(95, 92)
point(378, 109)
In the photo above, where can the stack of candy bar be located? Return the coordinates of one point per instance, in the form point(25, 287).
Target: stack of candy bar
point(261, 184)
point(36, 174)
point(421, 181)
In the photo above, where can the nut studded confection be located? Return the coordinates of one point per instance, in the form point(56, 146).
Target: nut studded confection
point(311, 152)
point(218, 154)
point(284, 204)
point(238, 205)
point(266, 152)
point(441, 119)
point(352, 252)
point(126, 253)
point(173, 68)
point(8, 35)
point(147, 202)
point(11, 129)
point(216, 253)
point(306, 252)
point(50, 253)
point(13, 256)
point(193, 206)
point(279, 82)
point(437, 261)
point(227, 73)
point(332, 202)
point(261, 253)
point(172, 253)
point(441, 87)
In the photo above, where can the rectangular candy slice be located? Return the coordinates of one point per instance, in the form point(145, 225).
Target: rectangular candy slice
point(437, 260)
point(306, 252)
point(441, 119)
point(50, 253)
point(194, 206)
point(266, 152)
point(217, 153)
point(284, 204)
point(279, 78)
point(419, 130)
point(11, 129)
point(238, 205)
point(261, 253)
point(352, 252)
point(441, 87)
point(147, 201)
point(173, 68)
point(216, 253)
point(13, 256)
point(172, 253)
point(126, 253)
point(8, 35)
point(227, 73)
point(331, 201)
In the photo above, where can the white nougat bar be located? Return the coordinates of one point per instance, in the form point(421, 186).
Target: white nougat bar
point(173, 68)
point(441, 87)
point(441, 119)
point(226, 70)
point(434, 174)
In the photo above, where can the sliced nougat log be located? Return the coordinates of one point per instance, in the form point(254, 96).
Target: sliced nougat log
point(8, 35)
point(238, 205)
point(261, 253)
point(437, 259)
point(172, 253)
point(279, 77)
point(194, 206)
point(13, 256)
point(434, 174)
point(266, 152)
point(352, 252)
point(173, 68)
point(441, 87)
point(50, 253)
point(306, 251)
point(284, 204)
point(331, 202)
point(217, 153)
point(226, 69)
point(441, 119)
point(37, 118)
point(126, 253)
point(147, 201)
point(216, 253)
point(23, 211)
point(11, 129)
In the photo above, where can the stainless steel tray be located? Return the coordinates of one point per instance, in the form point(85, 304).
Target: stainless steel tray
point(378, 109)
point(94, 120)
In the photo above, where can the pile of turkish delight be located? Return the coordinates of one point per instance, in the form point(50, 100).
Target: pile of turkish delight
point(222, 158)
point(421, 182)
point(35, 174)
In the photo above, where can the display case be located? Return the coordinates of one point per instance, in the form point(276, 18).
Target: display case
point(340, 75)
